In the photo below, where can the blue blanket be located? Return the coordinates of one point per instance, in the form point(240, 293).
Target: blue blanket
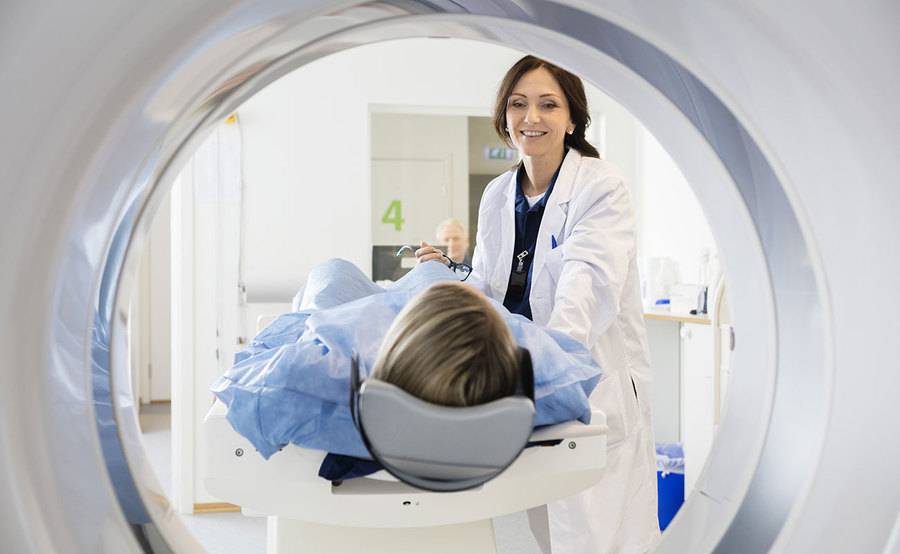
point(291, 384)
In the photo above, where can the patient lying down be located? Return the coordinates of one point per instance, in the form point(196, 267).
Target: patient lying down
point(436, 338)
point(449, 346)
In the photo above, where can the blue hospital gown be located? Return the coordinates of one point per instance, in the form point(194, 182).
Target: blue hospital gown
point(291, 384)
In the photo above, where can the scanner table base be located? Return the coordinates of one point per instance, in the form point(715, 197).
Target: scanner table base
point(309, 514)
point(290, 536)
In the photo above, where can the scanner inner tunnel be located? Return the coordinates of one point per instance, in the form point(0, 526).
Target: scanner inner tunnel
point(713, 180)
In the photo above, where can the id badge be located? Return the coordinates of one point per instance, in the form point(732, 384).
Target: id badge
point(518, 280)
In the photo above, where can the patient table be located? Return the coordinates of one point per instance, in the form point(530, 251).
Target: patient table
point(377, 513)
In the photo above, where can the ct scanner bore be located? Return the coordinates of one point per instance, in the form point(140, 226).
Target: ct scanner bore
point(783, 119)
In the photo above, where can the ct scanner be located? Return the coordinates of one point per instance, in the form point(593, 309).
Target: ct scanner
point(783, 116)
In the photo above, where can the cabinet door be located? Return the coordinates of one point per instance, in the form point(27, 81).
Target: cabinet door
point(665, 361)
point(698, 398)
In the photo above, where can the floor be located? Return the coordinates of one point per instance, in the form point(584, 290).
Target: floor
point(234, 533)
point(219, 533)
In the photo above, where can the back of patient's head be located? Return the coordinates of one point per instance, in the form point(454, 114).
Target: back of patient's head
point(449, 346)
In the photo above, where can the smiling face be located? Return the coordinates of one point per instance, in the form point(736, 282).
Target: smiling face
point(537, 115)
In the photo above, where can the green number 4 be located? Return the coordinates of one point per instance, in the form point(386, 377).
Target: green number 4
point(393, 215)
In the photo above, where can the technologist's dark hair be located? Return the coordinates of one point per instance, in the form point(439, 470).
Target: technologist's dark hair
point(572, 88)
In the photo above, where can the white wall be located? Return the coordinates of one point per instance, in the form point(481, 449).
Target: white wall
point(670, 220)
point(307, 147)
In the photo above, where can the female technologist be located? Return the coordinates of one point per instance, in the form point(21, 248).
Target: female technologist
point(556, 243)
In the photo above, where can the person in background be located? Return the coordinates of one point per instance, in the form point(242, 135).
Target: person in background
point(556, 244)
point(453, 235)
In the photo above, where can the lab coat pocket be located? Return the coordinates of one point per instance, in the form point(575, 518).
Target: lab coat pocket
point(615, 396)
point(553, 262)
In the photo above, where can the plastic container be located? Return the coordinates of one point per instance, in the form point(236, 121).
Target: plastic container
point(657, 275)
point(669, 481)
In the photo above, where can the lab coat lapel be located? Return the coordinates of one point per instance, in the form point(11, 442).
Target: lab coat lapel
point(500, 278)
point(554, 218)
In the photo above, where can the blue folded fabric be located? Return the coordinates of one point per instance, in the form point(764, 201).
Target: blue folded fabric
point(337, 467)
point(291, 384)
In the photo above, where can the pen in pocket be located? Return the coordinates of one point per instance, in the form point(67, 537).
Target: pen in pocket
point(552, 242)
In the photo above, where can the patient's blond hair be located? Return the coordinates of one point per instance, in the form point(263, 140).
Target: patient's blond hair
point(449, 346)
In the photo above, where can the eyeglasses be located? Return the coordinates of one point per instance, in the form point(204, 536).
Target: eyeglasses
point(460, 269)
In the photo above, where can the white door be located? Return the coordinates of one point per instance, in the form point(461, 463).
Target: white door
point(159, 307)
point(409, 198)
point(420, 175)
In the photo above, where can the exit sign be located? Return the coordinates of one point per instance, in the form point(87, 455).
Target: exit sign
point(499, 153)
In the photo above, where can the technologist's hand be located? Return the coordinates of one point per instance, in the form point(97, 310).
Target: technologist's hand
point(426, 253)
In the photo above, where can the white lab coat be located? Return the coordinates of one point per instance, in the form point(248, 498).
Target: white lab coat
point(588, 287)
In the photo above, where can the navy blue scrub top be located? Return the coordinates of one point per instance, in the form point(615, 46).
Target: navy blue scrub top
point(528, 222)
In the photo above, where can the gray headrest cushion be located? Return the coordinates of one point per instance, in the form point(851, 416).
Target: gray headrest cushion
point(441, 442)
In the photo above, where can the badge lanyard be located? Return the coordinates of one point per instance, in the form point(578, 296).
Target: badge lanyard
point(519, 275)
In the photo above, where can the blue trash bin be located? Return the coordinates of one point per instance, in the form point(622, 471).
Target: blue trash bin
point(669, 480)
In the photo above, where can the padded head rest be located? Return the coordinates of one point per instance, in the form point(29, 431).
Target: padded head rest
point(442, 448)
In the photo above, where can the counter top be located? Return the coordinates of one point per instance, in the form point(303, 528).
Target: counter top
point(681, 318)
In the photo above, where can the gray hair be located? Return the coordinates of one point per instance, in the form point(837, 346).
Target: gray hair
point(451, 222)
point(450, 346)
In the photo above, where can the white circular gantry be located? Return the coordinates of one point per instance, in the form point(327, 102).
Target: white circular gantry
point(783, 117)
